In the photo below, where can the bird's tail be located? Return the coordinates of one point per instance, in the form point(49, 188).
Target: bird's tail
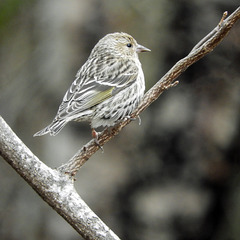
point(53, 129)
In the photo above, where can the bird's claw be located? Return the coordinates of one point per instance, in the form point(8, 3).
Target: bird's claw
point(95, 137)
point(134, 119)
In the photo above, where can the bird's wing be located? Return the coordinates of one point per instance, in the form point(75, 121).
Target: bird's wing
point(89, 90)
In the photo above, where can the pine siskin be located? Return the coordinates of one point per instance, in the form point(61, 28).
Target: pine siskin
point(107, 88)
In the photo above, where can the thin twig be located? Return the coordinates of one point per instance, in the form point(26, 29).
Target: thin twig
point(223, 18)
point(211, 34)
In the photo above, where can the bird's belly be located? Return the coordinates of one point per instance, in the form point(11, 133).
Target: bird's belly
point(116, 108)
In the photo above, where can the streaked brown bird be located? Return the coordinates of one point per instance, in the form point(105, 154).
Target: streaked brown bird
point(107, 88)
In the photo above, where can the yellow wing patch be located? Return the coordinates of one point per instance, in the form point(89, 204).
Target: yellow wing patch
point(100, 97)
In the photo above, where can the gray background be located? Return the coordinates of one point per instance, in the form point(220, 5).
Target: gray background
point(175, 177)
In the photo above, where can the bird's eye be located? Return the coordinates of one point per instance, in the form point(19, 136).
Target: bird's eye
point(129, 45)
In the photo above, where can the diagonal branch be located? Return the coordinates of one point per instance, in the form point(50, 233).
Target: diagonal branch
point(54, 187)
point(205, 46)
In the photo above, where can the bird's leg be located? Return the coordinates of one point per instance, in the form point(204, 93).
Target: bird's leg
point(134, 119)
point(95, 137)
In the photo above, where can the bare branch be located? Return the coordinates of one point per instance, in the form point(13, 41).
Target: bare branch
point(205, 46)
point(53, 187)
point(211, 34)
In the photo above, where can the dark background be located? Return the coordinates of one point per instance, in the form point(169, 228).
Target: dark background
point(175, 177)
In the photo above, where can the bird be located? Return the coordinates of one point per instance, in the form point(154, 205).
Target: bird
point(107, 88)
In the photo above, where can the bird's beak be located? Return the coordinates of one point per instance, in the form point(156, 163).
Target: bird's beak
point(141, 48)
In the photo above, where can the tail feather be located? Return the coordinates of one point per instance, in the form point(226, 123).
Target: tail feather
point(53, 129)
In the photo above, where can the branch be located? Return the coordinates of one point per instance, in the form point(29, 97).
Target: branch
point(205, 46)
point(53, 187)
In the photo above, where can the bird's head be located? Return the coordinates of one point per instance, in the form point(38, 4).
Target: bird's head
point(119, 45)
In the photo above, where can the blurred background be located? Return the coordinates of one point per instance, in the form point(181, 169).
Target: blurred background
point(175, 177)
